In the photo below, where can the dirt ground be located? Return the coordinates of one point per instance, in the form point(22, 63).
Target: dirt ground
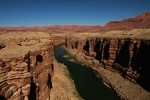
point(133, 34)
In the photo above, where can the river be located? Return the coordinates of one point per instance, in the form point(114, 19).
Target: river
point(88, 85)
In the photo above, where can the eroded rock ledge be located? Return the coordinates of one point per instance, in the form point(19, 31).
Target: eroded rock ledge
point(129, 57)
point(26, 66)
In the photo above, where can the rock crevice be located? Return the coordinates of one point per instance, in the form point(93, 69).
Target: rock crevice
point(26, 70)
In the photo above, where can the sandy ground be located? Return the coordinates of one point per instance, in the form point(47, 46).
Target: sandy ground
point(124, 87)
point(135, 34)
point(18, 44)
point(63, 86)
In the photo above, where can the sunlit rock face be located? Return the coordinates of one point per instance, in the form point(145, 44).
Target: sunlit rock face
point(41, 68)
point(141, 21)
point(26, 66)
point(129, 56)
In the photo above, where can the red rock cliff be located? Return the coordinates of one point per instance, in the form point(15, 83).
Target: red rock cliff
point(129, 56)
point(141, 21)
point(26, 66)
point(28, 76)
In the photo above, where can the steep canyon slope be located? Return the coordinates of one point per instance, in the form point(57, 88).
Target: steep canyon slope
point(141, 21)
point(27, 58)
point(125, 54)
point(26, 66)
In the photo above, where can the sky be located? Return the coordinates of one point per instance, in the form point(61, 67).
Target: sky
point(68, 12)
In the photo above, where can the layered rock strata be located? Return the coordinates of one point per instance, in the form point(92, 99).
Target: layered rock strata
point(130, 57)
point(26, 67)
point(141, 21)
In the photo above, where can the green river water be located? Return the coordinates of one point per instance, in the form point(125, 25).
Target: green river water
point(88, 85)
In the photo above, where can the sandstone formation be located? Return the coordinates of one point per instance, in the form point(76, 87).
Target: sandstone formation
point(26, 57)
point(120, 58)
point(141, 21)
point(26, 66)
point(59, 38)
point(129, 56)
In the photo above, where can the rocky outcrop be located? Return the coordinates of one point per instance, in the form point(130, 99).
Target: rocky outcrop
point(141, 21)
point(127, 56)
point(26, 67)
point(41, 69)
point(58, 40)
point(28, 76)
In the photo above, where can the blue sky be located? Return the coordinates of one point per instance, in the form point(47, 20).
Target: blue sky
point(68, 12)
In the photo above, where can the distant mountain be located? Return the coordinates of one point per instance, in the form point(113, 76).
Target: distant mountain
point(56, 29)
point(141, 21)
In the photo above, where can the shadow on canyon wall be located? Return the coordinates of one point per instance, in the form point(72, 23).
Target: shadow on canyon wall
point(86, 47)
point(2, 98)
point(123, 57)
point(139, 61)
point(49, 82)
point(32, 95)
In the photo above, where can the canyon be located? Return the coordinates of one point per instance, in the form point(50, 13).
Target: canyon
point(26, 66)
point(125, 55)
point(118, 52)
point(28, 69)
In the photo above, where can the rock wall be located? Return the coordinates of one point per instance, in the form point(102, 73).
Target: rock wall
point(130, 57)
point(58, 40)
point(27, 77)
point(141, 21)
